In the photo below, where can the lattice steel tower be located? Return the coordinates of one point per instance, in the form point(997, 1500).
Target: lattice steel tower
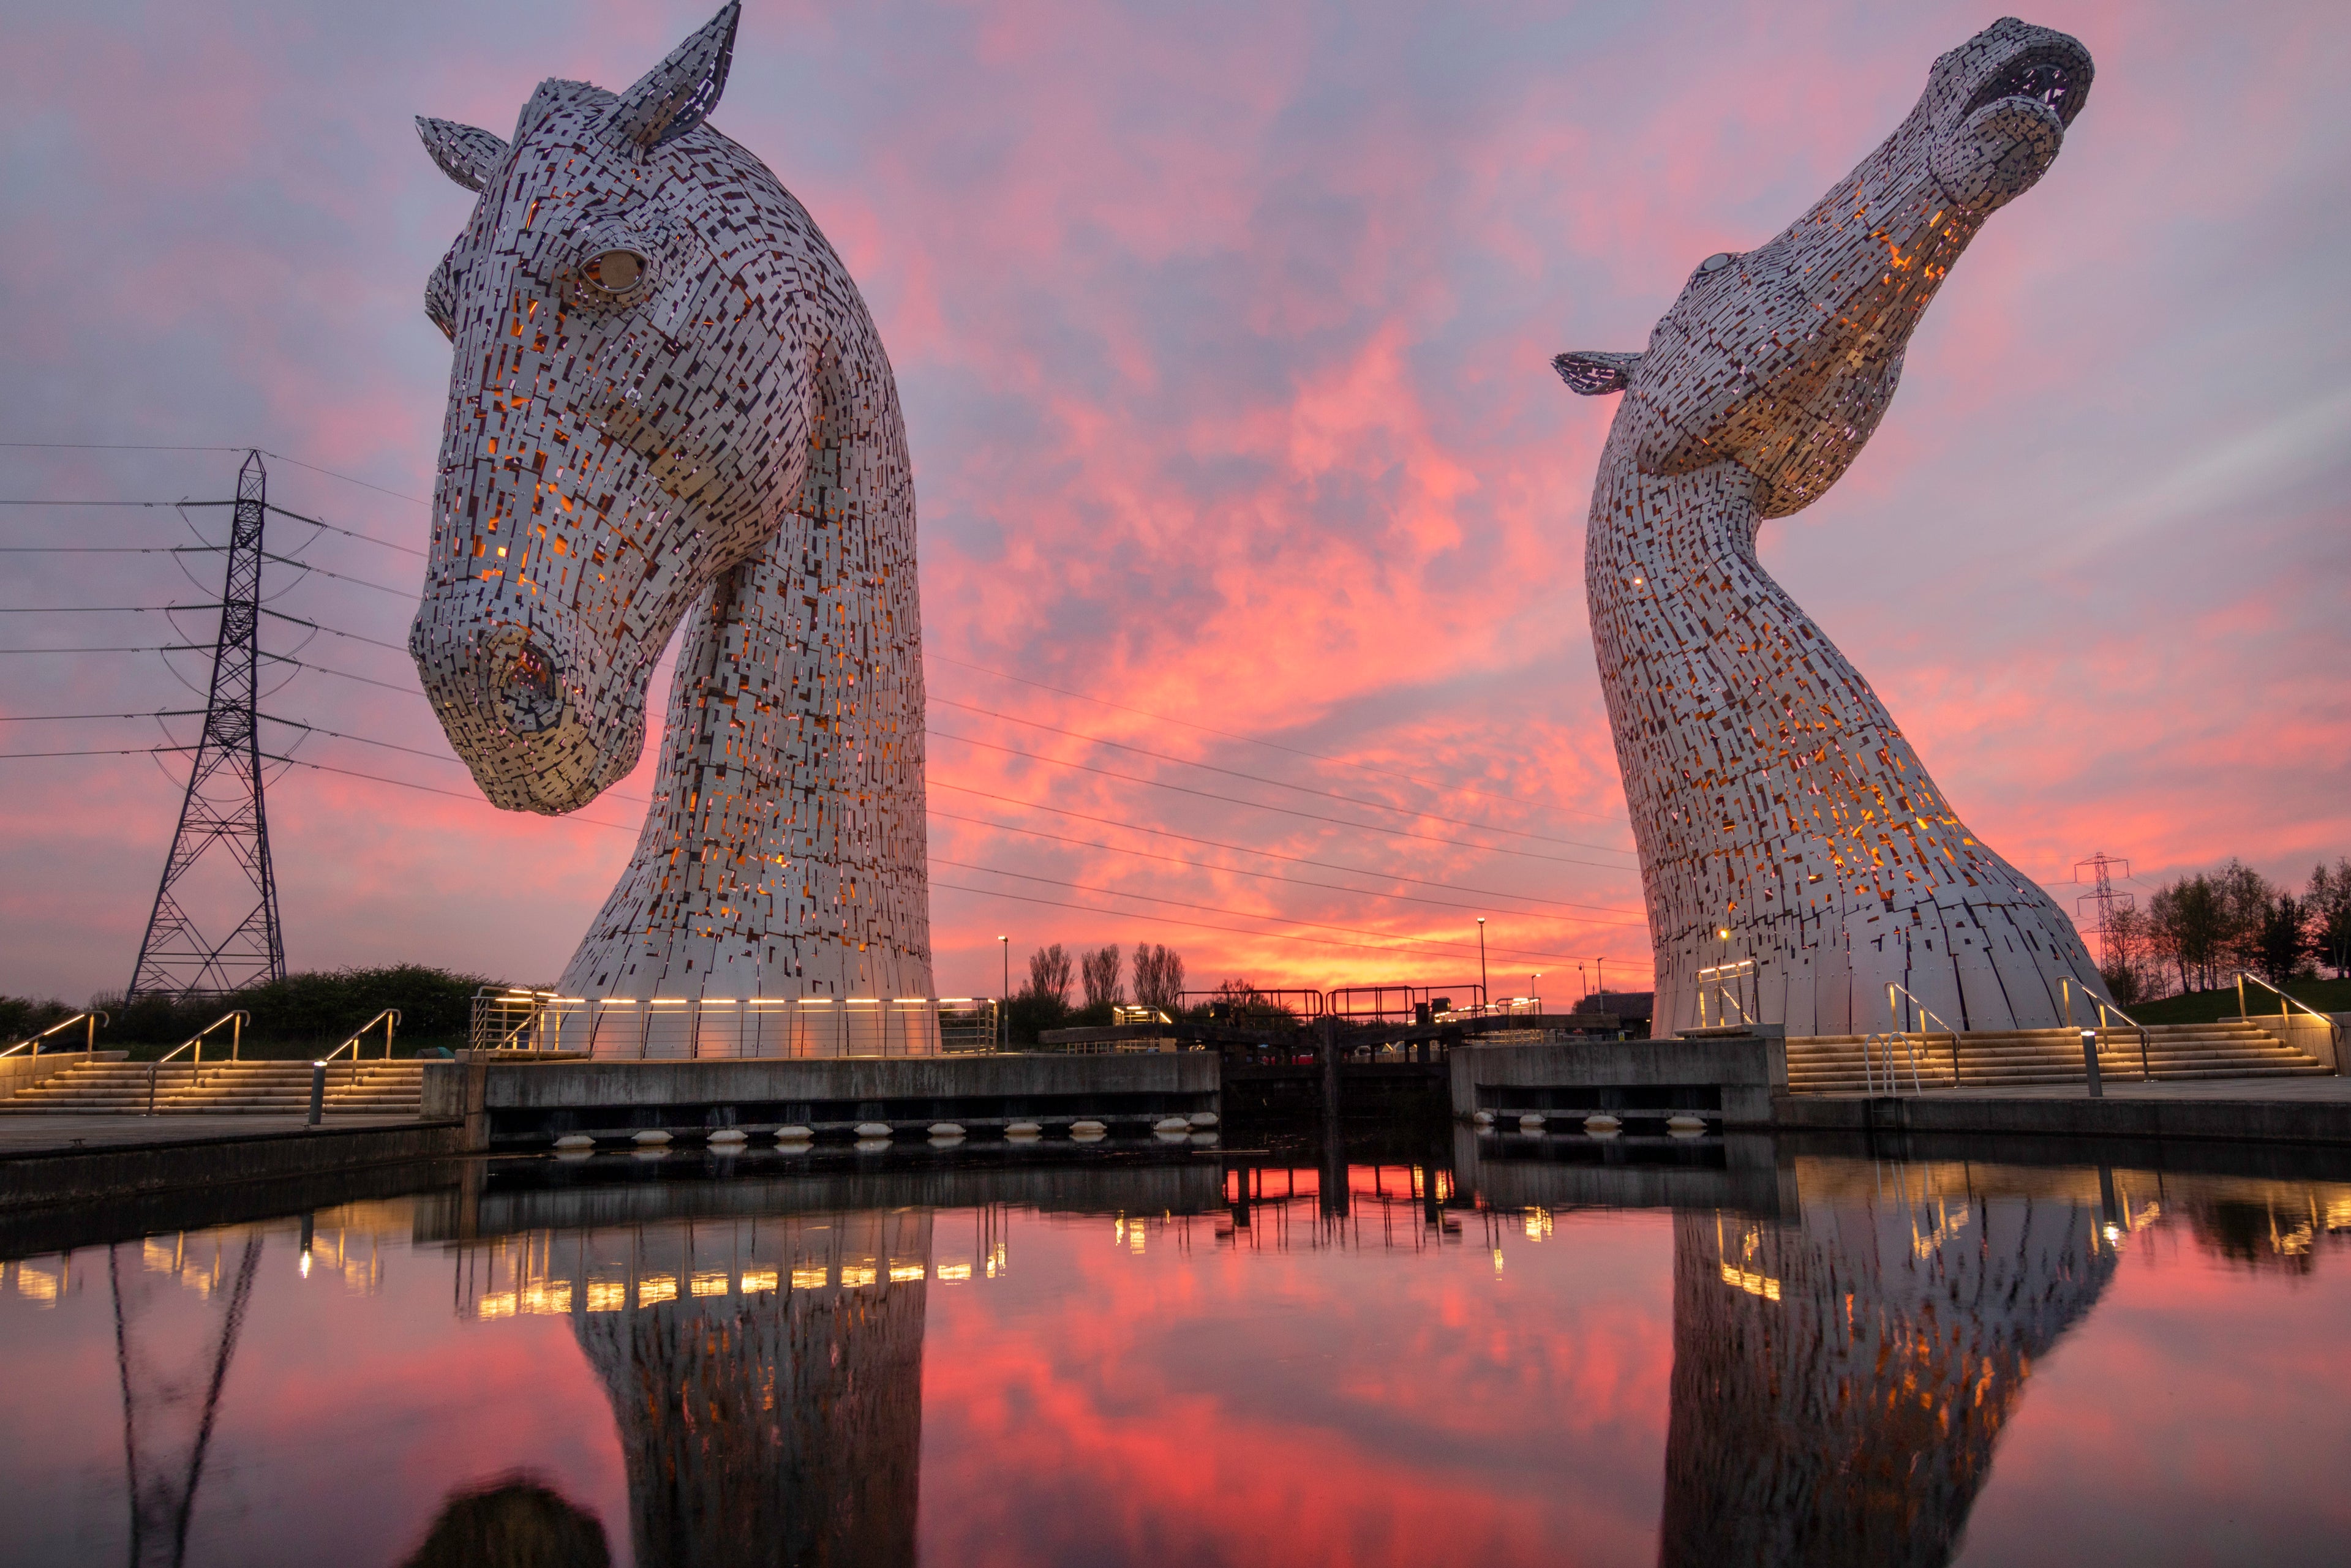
point(2104, 868)
point(222, 807)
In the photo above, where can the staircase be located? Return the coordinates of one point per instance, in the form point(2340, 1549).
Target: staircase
point(228, 1088)
point(2232, 1047)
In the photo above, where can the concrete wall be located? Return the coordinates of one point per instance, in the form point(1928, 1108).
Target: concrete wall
point(24, 1072)
point(2307, 1034)
point(526, 1102)
point(1744, 1068)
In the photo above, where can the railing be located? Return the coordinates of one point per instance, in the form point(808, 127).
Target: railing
point(1713, 976)
point(389, 1018)
point(2065, 987)
point(236, 1020)
point(1925, 1012)
point(93, 1019)
point(694, 1028)
point(1885, 1044)
point(2334, 1029)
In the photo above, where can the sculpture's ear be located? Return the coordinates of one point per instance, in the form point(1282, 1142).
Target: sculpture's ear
point(1592, 373)
point(467, 155)
point(678, 94)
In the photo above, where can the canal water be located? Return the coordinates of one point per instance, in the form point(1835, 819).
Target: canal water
point(1491, 1352)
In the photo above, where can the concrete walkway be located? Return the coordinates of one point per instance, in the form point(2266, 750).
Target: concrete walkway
point(48, 1134)
point(2323, 1090)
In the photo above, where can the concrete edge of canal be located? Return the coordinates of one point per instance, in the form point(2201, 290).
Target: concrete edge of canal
point(43, 1177)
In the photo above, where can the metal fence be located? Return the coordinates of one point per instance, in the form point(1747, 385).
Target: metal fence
point(691, 1028)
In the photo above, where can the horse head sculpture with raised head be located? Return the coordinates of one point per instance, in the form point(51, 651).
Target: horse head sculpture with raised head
point(669, 399)
point(1796, 858)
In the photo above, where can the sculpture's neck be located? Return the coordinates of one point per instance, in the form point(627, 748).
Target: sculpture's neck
point(784, 851)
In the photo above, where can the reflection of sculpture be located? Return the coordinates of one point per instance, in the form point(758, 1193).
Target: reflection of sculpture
point(1781, 816)
point(668, 397)
point(1839, 1384)
point(771, 1400)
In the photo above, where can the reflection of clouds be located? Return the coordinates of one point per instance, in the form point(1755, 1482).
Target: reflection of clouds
point(1839, 1382)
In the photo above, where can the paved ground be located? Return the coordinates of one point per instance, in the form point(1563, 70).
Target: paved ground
point(27, 1134)
point(2324, 1089)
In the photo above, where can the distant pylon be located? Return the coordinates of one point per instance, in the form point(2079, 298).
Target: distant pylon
point(2104, 868)
point(223, 800)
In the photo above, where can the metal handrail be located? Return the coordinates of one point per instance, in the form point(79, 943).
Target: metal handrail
point(2065, 985)
point(2334, 1029)
point(195, 1043)
point(1886, 1043)
point(387, 1018)
point(93, 1018)
point(1895, 1015)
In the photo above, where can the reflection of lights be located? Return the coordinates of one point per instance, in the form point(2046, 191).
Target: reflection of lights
point(37, 1284)
point(709, 1281)
point(757, 1280)
point(1497, 1262)
point(855, 1276)
point(905, 1273)
point(305, 1262)
point(807, 1278)
point(607, 1295)
point(1000, 1262)
point(655, 1289)
point(2114, 1233)
point(953, 1272)
point(1538, 1223)
point(1755, 1284)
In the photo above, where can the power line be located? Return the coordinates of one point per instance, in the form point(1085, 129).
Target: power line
point(1246, 740)
point(48, 717)
point(1268, 875)
point(330, 631)
point(1283, 919)
point(348, 479)
point(1277, 783)
point(1262, 806)
point(1160, 919)
point(113, 446)
point(1270, 854)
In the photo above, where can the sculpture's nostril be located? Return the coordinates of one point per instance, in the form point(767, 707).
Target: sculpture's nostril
point(530, 690)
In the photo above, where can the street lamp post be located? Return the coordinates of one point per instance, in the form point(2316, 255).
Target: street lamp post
point(1485, 997)
point(1003, 1007)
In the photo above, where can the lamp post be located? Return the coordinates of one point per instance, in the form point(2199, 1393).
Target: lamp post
point(1003, 1007)
point(1534, 986)
point(1485, 997)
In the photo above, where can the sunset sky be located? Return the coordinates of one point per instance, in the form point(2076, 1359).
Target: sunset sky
point(1223, 335)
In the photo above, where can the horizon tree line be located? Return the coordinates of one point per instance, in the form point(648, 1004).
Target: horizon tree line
point(2195, 932)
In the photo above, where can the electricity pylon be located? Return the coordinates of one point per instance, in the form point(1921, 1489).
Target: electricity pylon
point(2109, 902)
point(222, 807)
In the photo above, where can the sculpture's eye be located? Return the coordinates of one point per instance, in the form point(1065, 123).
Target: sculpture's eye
point(617, 270)
point(615, 276)
point(1713, 264)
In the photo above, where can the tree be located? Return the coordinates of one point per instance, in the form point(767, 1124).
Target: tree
point(1158, 975)
point(2281, 941)
point(2245, 898)
point(2131, 969)
point(2192, 916)
point(1099, 970)
point(2330, 915)
point(1048, 975)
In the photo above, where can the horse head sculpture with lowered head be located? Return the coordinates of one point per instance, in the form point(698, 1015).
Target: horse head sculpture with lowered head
point(668, 400)
point(1800, 866)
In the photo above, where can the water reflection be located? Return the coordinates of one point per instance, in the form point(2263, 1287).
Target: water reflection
point(1840, 1379)
point(512, 1524)
point(1242, 1359)
point(766, 1375)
